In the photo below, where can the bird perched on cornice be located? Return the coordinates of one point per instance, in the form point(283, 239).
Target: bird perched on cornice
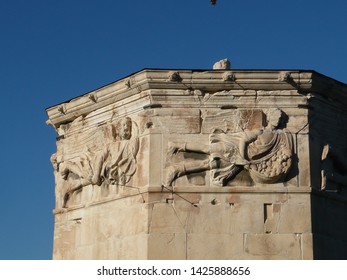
point(213, 2)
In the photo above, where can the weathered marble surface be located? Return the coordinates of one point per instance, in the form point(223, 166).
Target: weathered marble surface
point(163, 163)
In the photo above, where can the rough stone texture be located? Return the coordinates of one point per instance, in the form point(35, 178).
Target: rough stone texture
point(215, 164)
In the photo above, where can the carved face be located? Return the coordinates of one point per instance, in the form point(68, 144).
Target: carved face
point(125, 129)
point(273, 118)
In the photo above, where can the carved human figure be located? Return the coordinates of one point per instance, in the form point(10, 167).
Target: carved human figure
point(265, 152)
point(70, 176)
point(58, 181)
point(115, 164)
point(224, 157)
point(269, 150)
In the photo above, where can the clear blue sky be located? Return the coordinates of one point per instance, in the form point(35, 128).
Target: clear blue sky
point(52, 51)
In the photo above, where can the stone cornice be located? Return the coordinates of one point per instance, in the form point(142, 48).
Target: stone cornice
point(304, 81)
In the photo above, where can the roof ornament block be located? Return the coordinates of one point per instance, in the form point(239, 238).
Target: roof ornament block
point(222, 64)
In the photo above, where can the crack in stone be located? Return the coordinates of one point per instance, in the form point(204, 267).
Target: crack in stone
point(174, 209)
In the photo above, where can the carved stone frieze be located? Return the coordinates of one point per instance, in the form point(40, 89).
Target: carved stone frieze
point(112, 164)
point(266, 152)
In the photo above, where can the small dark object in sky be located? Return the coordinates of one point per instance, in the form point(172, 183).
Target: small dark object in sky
point(213, 2)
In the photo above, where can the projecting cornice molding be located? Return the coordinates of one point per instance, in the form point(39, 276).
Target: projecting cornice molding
point(138, 86)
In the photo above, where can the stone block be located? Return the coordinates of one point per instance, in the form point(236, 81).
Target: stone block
point(273, 246)
point(167, 246)
point(163, 218)
point(210, 219)
point(295, 218)
point(204, 246)
point(307, 246)
point(247, 218)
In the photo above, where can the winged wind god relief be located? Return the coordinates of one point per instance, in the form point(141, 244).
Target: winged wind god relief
point(109, 158)
point(265, 153)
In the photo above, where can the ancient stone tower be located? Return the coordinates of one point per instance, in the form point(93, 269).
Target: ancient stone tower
point(203, 164)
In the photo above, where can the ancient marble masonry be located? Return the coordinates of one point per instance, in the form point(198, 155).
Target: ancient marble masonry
point(203, 164)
